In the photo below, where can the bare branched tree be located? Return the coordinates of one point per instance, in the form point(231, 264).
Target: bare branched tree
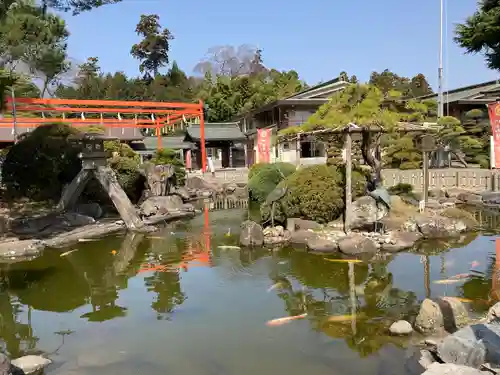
point(230, 61)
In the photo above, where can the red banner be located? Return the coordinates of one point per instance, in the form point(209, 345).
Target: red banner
point(494, 112)
point(264, 145)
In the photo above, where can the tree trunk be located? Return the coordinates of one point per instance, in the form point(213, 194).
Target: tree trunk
point(370, 149)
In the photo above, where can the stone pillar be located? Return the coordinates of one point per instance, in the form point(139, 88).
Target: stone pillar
point(72, 191)
point(106, 176)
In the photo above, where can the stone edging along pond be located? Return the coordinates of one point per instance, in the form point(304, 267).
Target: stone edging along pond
point(76, 227)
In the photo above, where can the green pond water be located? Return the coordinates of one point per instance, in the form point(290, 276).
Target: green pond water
point(105, 309)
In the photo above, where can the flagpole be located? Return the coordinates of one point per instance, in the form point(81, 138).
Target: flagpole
point(440, 70)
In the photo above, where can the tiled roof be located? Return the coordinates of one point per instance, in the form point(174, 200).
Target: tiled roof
point(228, 131)
point(467, 92)
point(173, 142)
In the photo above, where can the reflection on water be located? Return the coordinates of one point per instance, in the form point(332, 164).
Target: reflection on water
point(176, 302)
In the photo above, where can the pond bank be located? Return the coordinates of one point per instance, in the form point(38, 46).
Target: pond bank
point(32, 242)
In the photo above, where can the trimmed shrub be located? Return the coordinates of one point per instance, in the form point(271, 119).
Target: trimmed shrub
point(41, 163)
point(315, 193)
point(266, 177)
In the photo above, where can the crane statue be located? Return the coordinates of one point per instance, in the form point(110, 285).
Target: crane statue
point(275, 195)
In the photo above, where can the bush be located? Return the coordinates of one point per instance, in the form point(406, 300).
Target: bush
point(286, 168)
point(169, 156)
point(316, 193)
point(44, 160)
point(41, 163)
point(265, 178)
point(401, 188)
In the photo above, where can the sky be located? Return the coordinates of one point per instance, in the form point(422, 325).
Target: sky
point(317, 38)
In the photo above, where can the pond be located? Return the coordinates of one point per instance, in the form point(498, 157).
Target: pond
point(176, 302)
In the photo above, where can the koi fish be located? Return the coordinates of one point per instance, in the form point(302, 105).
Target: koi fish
point(460, 299)
point(460, 276)
point(475, 263)
point(87, 239)
point(447, 281)
point(156, 238)
point(67, 253)
point(343, 260)
point(285, 320)
point(229, 247)
point(343, 318)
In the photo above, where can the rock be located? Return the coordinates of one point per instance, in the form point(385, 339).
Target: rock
point(356, 243)
point(470, 198)
point(493, 313)
point(251, 234)
point(490, 197)
point(160, 205)
point(293, 224)
point(401, 327)
point(399, 240)
point(5, 367)
point(73, 219)
point(300, 237)
point(320, 245)
point(472, 346)
point(92, 209)
point(31, 364)
point(24, 248)
point(418, 361)
point(454, 313)
point(438, 193)
point(276, 235)
point(182, 192)
point(200, 184)
point(364, 212)
point(433, 204)
point(430, 318)
point(438, 226)
point(451, 369)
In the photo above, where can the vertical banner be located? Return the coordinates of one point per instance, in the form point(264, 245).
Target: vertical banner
point(494, 114)
point(264, 145)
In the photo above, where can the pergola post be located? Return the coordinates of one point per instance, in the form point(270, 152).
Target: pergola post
point(202, 140)
point(348, 180)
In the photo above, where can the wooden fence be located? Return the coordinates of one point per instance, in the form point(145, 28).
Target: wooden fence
point(473, 179)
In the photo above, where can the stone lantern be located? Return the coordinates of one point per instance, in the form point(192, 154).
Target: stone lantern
point(94, 164)
point(92, 144)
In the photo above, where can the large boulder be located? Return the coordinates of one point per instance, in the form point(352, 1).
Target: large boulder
point(321, 245)
point(5, 366)
point(293, 224)
point(365, 212)
point(438, 226)
point(356, 243)
point(300, 237)
point(161, 205)
point(251, 234)
point(31, 364)
point(399, 240)
point(470, 198)
point(451, 369)
point(472, 346)
point(417, 360)
point(203, 187)
point(430, 317)
point(49, 223)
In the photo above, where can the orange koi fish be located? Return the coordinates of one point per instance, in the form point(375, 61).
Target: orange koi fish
point(285, 320)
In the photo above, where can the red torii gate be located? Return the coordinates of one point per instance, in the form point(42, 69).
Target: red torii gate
point(161, 115)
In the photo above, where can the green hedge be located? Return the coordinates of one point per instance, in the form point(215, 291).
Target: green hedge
point(315, 193)
point(264, 178)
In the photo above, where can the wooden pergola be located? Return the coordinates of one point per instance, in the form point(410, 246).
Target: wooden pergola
point(351, 131)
